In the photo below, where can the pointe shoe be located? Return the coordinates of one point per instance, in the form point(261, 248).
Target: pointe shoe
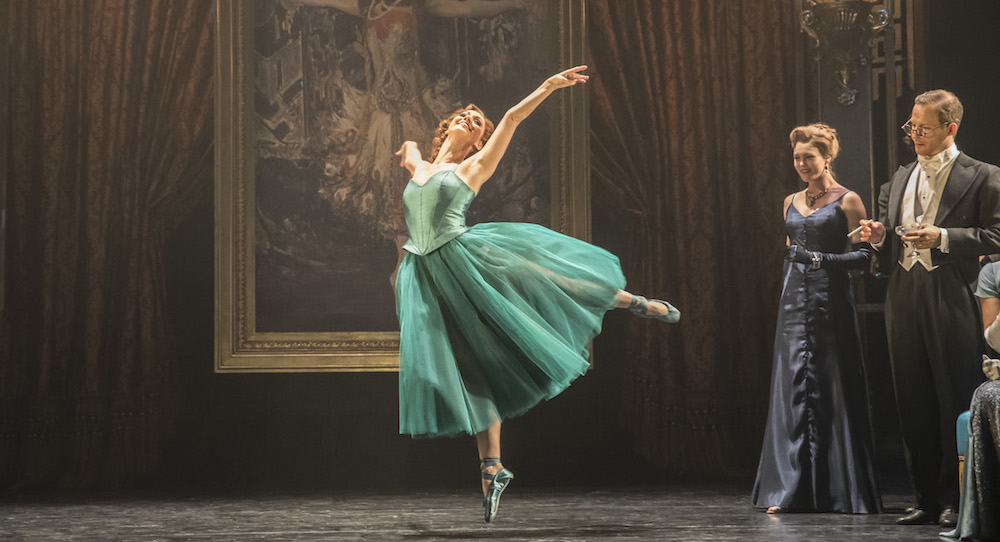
point(640, 307)
point(498, 483)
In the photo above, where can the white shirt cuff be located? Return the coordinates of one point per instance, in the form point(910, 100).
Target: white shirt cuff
point(945, 246)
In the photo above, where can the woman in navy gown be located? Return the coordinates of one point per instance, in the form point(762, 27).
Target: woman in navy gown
point(817, 453)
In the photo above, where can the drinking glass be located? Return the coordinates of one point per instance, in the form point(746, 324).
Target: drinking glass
point(903, 230)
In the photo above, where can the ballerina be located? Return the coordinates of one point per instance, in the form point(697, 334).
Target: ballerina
point(495, 317)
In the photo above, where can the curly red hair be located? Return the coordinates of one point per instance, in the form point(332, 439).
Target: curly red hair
point(442, 130)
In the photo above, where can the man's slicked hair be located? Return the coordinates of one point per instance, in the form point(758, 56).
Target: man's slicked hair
point(949, 108)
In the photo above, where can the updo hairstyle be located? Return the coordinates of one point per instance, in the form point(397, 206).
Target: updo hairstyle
point(442, 131)
point(819, 135)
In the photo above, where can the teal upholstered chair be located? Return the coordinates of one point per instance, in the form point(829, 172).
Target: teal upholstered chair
point(962, 432)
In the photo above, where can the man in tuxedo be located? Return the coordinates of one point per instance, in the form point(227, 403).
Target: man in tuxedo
point(949, 204)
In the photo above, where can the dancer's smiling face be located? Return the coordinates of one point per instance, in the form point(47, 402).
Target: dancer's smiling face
point(809, 162)
point(468, 128)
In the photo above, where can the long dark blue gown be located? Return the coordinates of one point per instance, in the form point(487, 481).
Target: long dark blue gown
point(817, 452)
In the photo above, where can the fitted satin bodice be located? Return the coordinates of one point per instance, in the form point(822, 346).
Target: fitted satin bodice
point(435, 211)
point(823, 230)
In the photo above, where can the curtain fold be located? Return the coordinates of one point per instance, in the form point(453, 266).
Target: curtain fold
point(690, 110)
point(110, 144)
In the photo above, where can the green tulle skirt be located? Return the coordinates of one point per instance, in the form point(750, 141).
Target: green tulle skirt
point(494, 321)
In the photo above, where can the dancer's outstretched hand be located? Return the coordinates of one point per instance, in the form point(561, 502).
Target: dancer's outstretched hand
point(568, 78)
point(408, 151)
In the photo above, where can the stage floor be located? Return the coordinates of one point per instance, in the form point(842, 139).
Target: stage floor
point(668, 513)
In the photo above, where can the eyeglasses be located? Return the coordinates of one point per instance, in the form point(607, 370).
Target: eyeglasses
point(920, 131)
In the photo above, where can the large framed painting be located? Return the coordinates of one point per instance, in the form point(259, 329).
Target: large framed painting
point(314, 97)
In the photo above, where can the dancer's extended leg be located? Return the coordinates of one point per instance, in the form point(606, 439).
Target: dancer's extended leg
point(648, 308)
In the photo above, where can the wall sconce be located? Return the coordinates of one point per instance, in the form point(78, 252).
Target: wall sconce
point(844, 31)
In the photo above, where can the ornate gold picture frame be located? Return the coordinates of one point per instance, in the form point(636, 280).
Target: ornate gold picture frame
point(310, 97)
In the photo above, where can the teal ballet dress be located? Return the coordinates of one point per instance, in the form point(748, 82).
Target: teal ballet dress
point(493, 318)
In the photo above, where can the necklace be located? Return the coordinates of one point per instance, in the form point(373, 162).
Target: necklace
point(812, 199)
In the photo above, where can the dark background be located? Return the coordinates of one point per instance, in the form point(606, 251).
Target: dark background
point(108, 333)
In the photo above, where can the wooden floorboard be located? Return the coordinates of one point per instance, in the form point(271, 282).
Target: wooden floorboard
point(667, 513)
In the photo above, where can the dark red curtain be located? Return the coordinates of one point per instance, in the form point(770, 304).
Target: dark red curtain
point(109, 144)
point(690, 110)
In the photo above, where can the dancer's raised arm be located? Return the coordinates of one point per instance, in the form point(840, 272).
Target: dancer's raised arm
point(478, 168)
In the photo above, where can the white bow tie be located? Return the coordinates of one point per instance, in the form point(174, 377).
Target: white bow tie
point(930, 165)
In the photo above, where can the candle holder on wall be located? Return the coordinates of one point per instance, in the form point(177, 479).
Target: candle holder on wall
point(843, 31)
